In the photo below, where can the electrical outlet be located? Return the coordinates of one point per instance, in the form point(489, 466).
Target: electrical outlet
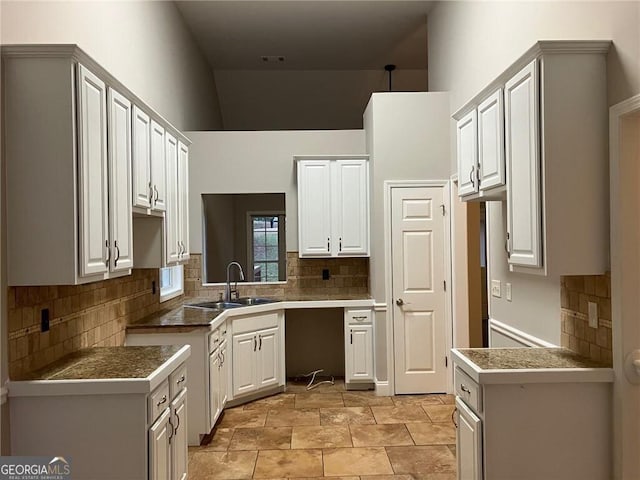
point(593, 314)
point(44, 320)
point(495, 288)
point(325, 274)
point(507, 291)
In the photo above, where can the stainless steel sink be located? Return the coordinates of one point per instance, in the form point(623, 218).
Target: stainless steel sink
point(254, 300)
point(219, 305)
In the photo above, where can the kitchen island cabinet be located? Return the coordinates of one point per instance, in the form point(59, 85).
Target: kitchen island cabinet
point(110, 410)
point(531, 414)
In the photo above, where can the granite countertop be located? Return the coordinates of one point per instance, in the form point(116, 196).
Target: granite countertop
point(178, 317)
point(105, 363)
point(520, 358)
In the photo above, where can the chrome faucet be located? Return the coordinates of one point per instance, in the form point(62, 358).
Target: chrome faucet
point(227, 290)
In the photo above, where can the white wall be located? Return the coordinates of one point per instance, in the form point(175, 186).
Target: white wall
point(471, 43)
point(144, 44)
point(257, 162)
point(304, 99)
point(408, 139)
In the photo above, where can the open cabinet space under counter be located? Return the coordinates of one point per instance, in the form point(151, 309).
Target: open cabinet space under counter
point(532, 413)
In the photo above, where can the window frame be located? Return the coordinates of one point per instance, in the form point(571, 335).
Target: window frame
point(281, 228)
point(176, 287)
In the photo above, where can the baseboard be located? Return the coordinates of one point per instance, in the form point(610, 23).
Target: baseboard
point(521, 338)
point(383, 389)
point(3, 395)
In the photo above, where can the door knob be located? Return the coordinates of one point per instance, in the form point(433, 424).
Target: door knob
point(399, 302)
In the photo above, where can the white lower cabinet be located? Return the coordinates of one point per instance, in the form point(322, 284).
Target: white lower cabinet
point(218, 377)
point(258, 353)
point(358, 337)
point(468, 443)
point(160, 447)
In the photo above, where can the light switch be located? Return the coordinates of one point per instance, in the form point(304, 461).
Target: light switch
point(593, 314)
point(495, 288)
point(507, 291)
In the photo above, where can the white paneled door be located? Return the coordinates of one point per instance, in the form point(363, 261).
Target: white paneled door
point(419, 323)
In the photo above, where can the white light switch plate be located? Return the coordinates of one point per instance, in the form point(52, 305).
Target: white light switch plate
point(495, 288)
point(593, 315)
point(507, 291)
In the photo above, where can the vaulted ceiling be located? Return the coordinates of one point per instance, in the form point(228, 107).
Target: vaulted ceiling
point(334, 53)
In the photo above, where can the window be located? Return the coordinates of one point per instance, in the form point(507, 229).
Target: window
point(265, 243)
point(171, 282)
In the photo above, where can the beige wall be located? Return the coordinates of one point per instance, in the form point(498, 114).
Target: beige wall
point(257, 162)
point(144, 44)
point(471, 43)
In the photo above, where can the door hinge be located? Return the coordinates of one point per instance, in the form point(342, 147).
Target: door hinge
point(446, 362)
point(443, 209)
point(445, 285)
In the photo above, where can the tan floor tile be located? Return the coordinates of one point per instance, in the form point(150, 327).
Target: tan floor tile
point(321, 437)
point(432, 434)
point(288, 463)
point(282, 400)
point(387, 477)
point(448, 399)
point(242, 419)
point(422, 459)
point(400, 414)
point(439, 413)
point(265, 438)
point(434, 476)
point(332, 478)
point(222, 465)
point(365, 399)
point(430, 399)
point(301, 387)
point(380, 435)
point(293, 417)
point(220, 440)
point(356, 461)
point(346, 416)
point(319, 400)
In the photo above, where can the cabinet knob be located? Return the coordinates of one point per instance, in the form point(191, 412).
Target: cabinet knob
point(399, 302)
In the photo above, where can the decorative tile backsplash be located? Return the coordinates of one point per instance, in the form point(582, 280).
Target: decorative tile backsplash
point(577, 335)
point(80, 316)
point(348, 278)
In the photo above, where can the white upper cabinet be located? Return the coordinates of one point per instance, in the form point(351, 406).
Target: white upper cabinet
point(183, 200)
point(142, 188)
point(158, 168)
point(333, 207)
point(120, 217)
point(546, 115)
point(171, 215)
point(523, 171)
point(92, 169)
point(467, 142)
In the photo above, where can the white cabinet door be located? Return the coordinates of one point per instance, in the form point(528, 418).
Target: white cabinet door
point(244, 350)
point(468, 443)
point(160, 447)
point(224, 377)
point(524, 222)
point(467, 148)
point(120, 217)
point(141, 181)
point(179, 454)
point(183, 200)
point(491, 141)
point(93, 192)
point(359, 352)
point(171, 215)
point(214, 387)
point(158, 168)
point(314, 208)
point(268, 357)
point(350, 214)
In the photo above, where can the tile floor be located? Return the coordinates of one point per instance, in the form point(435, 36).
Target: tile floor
point(329, 432)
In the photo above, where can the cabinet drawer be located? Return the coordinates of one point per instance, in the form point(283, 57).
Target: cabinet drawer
point(252, 323)
point(357, 317)
point(214, 340)
point(158, 400)
point(467, 389)
point(178, 380)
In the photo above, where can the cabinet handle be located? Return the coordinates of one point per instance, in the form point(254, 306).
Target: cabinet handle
point(471, 176)
point(175, 430)
point(464, 388)
point(453, 416)
point(182, 379)
point(255, 344)
point(506, 246)
point(340, 244)
point(106, 262)
point(172, 430)
point(155, 199)
point(328, 244)
point(115, 262)
point(164, 400)
point(260, 337)
point(221, 359)
point(150, 194)
point(351, 335)
point(363, 317)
